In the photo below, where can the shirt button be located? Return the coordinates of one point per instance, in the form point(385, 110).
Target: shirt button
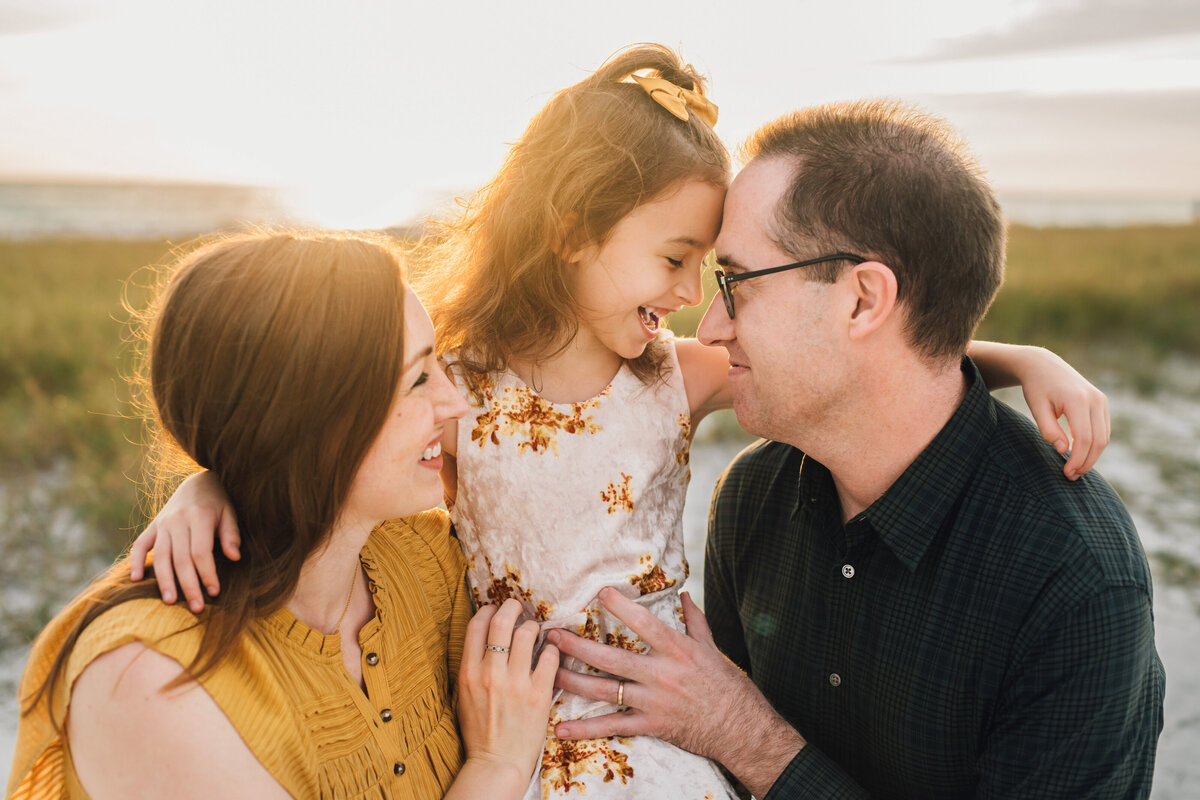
point(372, 659)
point(847, 571)
point(386, 715)
point(835, 679)
point(398, 768)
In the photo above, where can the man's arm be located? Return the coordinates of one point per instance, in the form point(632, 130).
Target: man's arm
point(1082, 714)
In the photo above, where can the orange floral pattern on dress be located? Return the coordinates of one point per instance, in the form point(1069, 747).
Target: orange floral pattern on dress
point(626, 642)
point(652, 579)
point(590, 629)
point(521, 412)
point(683, 455)
point(619, 496)
point(508, 585)
point(566, 762)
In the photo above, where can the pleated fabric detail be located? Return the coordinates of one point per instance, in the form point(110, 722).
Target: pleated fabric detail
point(285, 688)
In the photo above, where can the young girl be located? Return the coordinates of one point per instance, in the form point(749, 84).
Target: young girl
point(569, 472)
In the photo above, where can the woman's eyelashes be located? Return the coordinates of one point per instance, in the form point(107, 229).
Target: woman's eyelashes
point(677, 263)
point(421, 379)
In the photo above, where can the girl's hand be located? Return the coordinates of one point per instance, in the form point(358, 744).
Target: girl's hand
point(1053, 389)
point(503, 702)
point(181, 537)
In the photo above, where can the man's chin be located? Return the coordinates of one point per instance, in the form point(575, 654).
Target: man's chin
point(750, 417)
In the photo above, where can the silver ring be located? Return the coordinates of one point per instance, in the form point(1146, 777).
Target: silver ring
point(620, 692)
point(496, 648)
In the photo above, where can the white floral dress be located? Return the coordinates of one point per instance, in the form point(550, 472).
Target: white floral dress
point(558, 500)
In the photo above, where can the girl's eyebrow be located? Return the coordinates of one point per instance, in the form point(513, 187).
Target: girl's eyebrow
point(421, 356)
point(688, 240)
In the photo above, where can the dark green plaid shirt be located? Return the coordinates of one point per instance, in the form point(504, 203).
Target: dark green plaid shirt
point(984, 629)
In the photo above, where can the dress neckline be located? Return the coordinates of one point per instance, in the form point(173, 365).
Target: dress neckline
point(607, 390)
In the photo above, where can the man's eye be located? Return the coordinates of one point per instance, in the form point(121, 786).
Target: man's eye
point(677, 263)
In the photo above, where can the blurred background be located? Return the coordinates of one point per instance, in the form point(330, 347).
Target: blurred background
point(131, 126)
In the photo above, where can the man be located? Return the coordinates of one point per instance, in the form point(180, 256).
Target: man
point(926, 606)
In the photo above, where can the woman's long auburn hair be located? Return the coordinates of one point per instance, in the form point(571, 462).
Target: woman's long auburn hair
point(273, 359)
point(497, 279)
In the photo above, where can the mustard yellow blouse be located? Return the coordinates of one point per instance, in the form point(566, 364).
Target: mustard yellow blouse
point(284, 687)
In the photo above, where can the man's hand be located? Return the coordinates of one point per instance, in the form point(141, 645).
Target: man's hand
point(684, 691)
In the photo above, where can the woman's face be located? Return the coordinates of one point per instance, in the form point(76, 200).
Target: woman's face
point(401, 473)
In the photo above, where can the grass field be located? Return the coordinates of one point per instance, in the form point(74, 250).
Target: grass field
point(1088, 293)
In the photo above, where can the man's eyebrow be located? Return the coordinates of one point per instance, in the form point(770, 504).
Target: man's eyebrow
point(421, 356)
point(729, 263)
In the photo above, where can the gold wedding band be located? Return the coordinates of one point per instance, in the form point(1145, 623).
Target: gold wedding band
point(620, 692)
point(496, 648)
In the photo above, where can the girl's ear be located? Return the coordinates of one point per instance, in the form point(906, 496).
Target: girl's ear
point(568, 246)
point(874, 287)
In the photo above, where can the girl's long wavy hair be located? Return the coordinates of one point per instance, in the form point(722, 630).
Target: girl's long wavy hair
point(272, 361)
point(496, 278)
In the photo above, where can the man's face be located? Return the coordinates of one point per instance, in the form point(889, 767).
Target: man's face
point(784, 350)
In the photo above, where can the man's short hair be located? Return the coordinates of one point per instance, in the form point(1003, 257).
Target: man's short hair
point(887, 181)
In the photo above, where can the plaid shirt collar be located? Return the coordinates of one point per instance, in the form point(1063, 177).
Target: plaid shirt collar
point(910, 513)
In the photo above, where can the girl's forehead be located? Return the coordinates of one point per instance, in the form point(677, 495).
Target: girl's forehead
point(694, 205)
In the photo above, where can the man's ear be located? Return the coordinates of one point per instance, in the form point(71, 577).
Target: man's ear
point(874, 288)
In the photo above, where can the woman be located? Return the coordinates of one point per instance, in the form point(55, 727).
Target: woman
point(300, 371)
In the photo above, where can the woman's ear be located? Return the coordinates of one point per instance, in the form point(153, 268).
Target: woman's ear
point(874, 287)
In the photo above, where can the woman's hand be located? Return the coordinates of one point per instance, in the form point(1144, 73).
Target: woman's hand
point(181, 537)
point(503, 703)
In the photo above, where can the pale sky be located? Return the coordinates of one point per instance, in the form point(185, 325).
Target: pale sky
point(375, 110)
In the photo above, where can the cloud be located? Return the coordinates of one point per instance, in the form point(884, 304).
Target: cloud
point(1077, 23)
point(1129, 142)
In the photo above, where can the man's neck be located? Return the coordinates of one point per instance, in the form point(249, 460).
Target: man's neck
point(898, 419)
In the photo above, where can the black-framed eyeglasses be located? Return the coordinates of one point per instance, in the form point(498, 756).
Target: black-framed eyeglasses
point(726, 281)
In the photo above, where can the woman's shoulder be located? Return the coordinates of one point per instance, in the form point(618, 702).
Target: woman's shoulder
point(425, 541)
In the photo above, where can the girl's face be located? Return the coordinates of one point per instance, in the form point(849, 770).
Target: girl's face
point(400, 474)
point(648, 267)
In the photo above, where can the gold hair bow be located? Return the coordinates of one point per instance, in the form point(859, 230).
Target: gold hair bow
point(678, 100)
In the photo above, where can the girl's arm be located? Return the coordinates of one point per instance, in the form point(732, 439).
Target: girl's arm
point(1052, 389)
point(181, 536)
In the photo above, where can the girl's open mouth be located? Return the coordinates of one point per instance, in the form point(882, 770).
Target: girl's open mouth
point(650, 319)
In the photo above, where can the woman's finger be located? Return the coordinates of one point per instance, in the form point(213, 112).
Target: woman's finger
point(523, 639)
point(500, 631)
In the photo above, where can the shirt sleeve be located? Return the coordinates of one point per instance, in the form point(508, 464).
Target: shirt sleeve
point(1082, 715)
point(813, 774)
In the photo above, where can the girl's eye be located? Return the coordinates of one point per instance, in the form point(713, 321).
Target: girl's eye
point(420, 380)
point(677, 263)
